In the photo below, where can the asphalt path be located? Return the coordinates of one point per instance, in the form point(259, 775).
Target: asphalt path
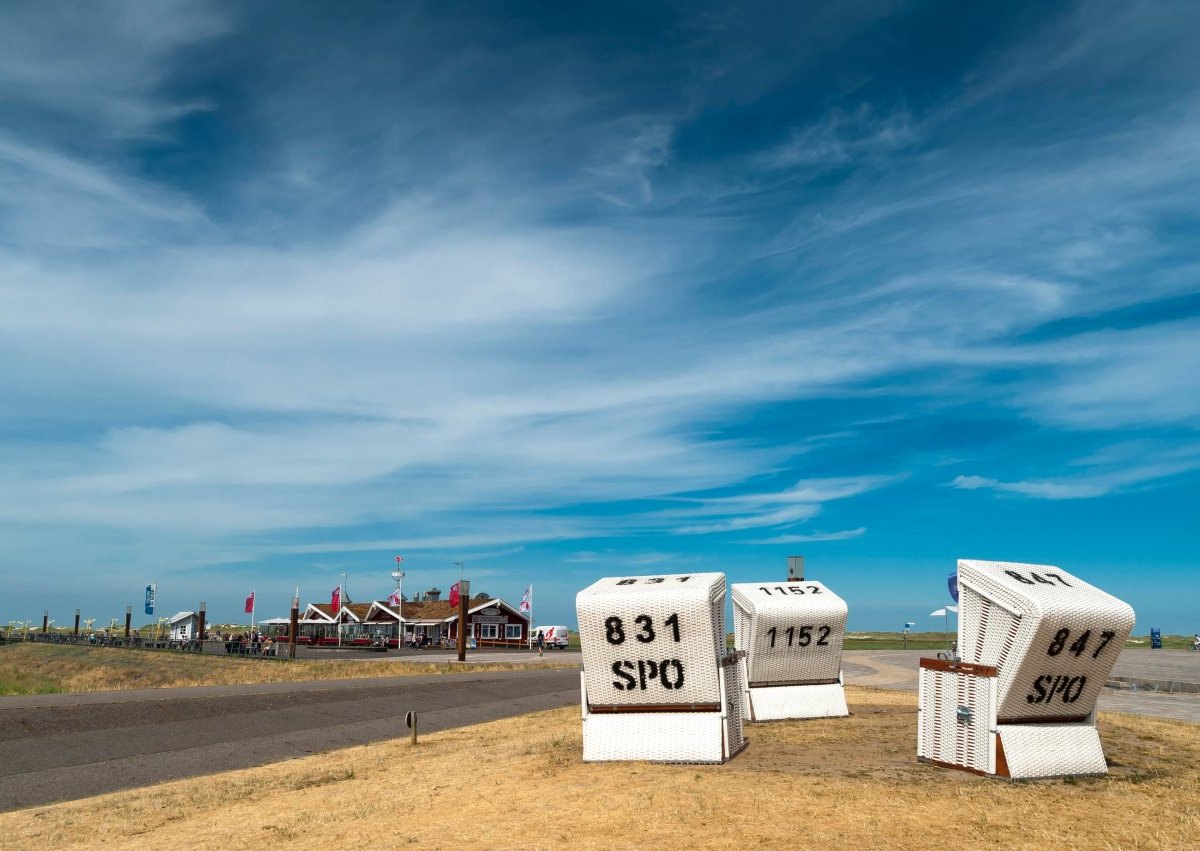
point(63, 747)
point(897, 669)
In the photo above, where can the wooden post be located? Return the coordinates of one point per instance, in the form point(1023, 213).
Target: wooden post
point(77, 623)
point(294, 627)
point(45, 621)
point(464, 591)
point(200, 626)
point(128, 619)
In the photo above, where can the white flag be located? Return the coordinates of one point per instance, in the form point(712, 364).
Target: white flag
point(525, 599)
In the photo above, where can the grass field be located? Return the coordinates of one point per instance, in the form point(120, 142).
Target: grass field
point(27, 668)
point(831, 783)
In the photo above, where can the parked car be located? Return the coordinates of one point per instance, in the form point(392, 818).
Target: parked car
point(556, 636)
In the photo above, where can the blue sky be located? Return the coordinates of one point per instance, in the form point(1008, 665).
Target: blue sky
point(563, 293)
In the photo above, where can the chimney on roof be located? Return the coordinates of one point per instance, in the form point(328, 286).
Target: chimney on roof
point(433, 595)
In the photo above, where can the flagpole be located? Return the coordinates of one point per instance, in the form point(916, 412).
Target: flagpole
point(253, 608)
point(398, 575)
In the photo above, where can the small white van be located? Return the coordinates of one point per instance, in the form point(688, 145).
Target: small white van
point(556, 636)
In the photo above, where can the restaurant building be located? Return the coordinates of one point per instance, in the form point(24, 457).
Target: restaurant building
point(425, 622)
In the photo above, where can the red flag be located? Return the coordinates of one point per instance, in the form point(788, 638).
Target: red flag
point(250, 603)
point(454, 594)
point(399, 559)
point(394, 598)
point(335, 601)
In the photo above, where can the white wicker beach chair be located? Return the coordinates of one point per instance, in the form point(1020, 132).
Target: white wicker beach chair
point(1037, 645)
point(657, 683)
point(792, 634)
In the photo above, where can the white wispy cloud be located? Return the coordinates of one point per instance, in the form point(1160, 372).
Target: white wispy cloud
point(1040, 489)
point(816, 537)
point(752, 510)
point(840, 137)
point(778, 517)
point(1114, 379)
point(102, 64)
point(1112, 470)
point(68, 202)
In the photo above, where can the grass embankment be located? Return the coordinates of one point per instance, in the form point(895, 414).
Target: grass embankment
point(934, 641)
point(28, 668)
point(845, 783)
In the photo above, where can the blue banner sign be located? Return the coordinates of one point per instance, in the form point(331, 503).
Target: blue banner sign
point(952, 583)
point(150, 590)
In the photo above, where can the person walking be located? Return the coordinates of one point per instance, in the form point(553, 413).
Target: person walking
point(541, 642)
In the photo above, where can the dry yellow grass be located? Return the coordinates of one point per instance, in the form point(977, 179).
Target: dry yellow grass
point(520, 783)
point(42, 668)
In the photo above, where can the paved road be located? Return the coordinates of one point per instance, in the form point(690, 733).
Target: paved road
point(61, 747)
point(897, 669)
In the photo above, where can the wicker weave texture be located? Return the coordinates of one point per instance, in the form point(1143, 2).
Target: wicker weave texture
point(654, 737)
point(1054, 637)
point(943, 734)
point(776, 703)
point(1052, 750)
point(792, 632)
point(653, 640)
